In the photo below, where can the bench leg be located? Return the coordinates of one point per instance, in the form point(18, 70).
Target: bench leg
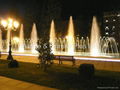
point(59, 62)
point(73, 62)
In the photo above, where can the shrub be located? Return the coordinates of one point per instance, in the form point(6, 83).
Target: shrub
point(45, 53)
point(13, 64)
point(86, 70)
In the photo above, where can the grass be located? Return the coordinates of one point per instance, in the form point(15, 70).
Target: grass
point(60, 76)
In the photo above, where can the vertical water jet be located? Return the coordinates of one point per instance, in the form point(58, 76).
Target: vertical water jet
point(52, 36)
point(70, 37)
point(95, 38)
point(34, 38)
point(21, 39)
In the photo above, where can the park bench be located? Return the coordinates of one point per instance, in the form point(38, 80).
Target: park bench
point(65, 58)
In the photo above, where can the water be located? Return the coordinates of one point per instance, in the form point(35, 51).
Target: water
point(69, 44)
point(34, 38)
point(52, 36)
point(21, 39)
point(94, 42)
point(70, 37)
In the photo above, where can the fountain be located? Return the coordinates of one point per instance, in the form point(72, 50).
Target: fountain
point(21, 39)
point(52, 36)
point(70, 38)
point(95, 39)
point(34, 38)
point(109, 46)
point(69, 44)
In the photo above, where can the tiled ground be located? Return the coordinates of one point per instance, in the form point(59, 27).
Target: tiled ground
point(12, 84)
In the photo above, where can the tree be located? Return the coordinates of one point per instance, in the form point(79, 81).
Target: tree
point(45, 55)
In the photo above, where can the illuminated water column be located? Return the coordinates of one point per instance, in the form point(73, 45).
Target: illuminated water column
point(95, 37)
point(8, 40)
point(34, 38)
point(70, 37)
point(0, 40)
point(21, 39)
point(52, 36)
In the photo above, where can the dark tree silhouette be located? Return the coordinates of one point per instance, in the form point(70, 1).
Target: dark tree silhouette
point(45, 55)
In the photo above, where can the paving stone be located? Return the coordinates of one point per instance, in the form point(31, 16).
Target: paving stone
point(12, 84)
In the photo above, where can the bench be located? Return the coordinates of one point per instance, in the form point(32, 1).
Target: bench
point(65, 58)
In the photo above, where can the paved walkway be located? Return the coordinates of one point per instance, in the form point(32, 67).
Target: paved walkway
point(12, 84)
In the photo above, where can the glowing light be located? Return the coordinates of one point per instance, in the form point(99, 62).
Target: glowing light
point(106, 27)
point(16, 39)
point(114, 20)
point(4, 23)
point(10, 23)
point(118, 15)
point(106, 20)
point(113, 27)
point(106, 33)
point(10, 20)
point(16, 24)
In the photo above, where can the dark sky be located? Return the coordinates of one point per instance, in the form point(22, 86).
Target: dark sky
point(76, 8)
point(90, 6)
point(69, 7)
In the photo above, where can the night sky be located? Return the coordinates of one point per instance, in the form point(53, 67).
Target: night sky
point(69, 7)
point(29, 11)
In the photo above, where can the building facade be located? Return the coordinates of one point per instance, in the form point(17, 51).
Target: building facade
point(111, 25)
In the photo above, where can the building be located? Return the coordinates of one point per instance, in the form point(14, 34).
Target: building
point(111, 25)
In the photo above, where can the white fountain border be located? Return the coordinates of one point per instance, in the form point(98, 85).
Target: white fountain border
point(98, 59)
point(75, 57)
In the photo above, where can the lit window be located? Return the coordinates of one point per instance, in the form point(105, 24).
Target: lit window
point(107, 28)
point(107, 33)
point(113, 27)
point(106, 20)
point(118, 15)
point(114, 20)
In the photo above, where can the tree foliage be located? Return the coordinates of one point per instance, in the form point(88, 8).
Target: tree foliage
point(45, 55)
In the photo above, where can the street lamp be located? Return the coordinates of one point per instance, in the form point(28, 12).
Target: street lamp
point(10, 25)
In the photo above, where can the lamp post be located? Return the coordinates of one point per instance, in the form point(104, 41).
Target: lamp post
point(10, 25)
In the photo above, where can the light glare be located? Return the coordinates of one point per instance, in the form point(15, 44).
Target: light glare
point(16, 39)
point(4, 23)
point(16, 24)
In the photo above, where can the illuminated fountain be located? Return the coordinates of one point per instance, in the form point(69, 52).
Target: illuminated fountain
point(69, 44)
point(95, 39)
point(52, 36)
point(21, 39)
point(34, 39)
point(109, 46)
point(70, 38)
